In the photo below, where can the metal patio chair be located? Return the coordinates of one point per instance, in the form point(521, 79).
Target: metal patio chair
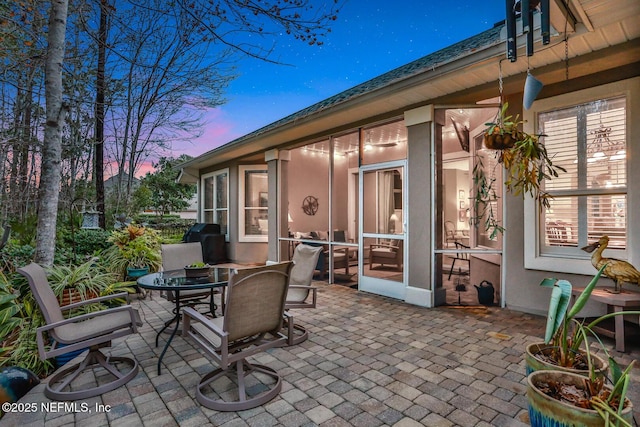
point(92, 330)
point(251, 324)
point(178, 255)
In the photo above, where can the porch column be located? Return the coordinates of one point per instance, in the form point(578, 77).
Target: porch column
point(277, 169)
point(419, 220)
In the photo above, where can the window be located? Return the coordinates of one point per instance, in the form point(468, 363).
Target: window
point(589, 140)
point(590, 199)
point(215, 199)
point(254, 198)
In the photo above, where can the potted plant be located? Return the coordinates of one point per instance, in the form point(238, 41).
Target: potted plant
point(72, 283)
point(566, 381)
point(559, 398)
point(135, 251)
point(564, 346)
point(526, 161)
point(197, 269)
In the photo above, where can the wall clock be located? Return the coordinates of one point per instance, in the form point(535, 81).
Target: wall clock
point(310, 205)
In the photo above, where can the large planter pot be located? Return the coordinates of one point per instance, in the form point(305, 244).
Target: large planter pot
point(546, 411)
point(534, 363)
point(134, 273)
point(15, 382)
point(63, 359)
point(70, 296)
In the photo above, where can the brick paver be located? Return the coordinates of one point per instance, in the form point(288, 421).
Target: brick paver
point(369, 361)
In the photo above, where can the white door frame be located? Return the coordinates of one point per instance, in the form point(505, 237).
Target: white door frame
point(380, 286)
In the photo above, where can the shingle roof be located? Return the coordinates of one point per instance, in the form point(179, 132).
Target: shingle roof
point(430, 62)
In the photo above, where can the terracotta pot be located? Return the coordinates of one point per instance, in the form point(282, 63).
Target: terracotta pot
point(547, 411)
point(70, 296)
point(534, 363)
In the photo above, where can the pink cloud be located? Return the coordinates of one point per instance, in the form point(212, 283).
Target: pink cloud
point(219, 129)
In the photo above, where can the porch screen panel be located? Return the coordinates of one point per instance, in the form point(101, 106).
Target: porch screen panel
point(590, 199)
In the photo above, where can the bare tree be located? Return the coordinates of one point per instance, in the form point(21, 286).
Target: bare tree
point(50, 175)
point(164, 64)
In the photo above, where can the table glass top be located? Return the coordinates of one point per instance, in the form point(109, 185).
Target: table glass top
point(218, 276)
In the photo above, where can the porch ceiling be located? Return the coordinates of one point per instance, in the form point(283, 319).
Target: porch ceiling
point(602, 24)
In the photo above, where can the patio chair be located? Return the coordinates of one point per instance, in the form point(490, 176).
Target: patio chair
point(389, 252)
point(462, 257)
point(178, 255)
point(305, 258)
point(92, 330)
point(449, 233)
point(251, 324)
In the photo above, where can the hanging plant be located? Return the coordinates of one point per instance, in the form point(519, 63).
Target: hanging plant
point(526, 161)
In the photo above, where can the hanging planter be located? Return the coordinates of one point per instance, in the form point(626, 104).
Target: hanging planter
point(527, 165)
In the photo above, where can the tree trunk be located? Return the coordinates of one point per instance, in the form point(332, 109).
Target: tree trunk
point(100, 89)
point(52, 151)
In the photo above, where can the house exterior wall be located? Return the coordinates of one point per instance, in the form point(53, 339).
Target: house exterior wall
point(522, 290)
point(455, 77)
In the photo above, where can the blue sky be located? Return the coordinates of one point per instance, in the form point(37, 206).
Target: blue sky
point(369, 38)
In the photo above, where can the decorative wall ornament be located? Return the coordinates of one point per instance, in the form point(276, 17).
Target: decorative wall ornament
point(310, 205)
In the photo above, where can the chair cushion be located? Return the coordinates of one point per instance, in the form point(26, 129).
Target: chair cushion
point(384, 253)
point(94, 327)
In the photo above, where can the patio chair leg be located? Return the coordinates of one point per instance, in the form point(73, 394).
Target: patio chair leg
point(63, 379)
point(242, 370)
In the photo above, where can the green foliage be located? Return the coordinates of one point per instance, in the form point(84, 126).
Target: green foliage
point(159, 190)
point(135, 247)
point(24, 232)
point(86, 278)
point(14, 255)
point(19, 320)
point(90, 242)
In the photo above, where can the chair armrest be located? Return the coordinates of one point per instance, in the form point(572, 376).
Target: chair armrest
point(95, 300)
point(86, 316)
point(189, 314)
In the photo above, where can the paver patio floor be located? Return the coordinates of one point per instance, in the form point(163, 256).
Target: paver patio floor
point(369, 361)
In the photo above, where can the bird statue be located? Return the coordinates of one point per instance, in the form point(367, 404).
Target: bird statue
point(618, 270)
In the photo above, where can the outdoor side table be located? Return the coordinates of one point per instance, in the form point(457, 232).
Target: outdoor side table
point(175, 281)
point(625, 300)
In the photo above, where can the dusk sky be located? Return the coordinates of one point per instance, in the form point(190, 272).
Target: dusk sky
point(369, 38)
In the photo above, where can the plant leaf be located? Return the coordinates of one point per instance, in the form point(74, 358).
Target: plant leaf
point(558, 304)
point(586, 293)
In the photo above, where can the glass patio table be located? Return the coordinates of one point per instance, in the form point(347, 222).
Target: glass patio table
point(176, 281)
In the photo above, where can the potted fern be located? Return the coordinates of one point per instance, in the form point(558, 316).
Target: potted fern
point(527, 165)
